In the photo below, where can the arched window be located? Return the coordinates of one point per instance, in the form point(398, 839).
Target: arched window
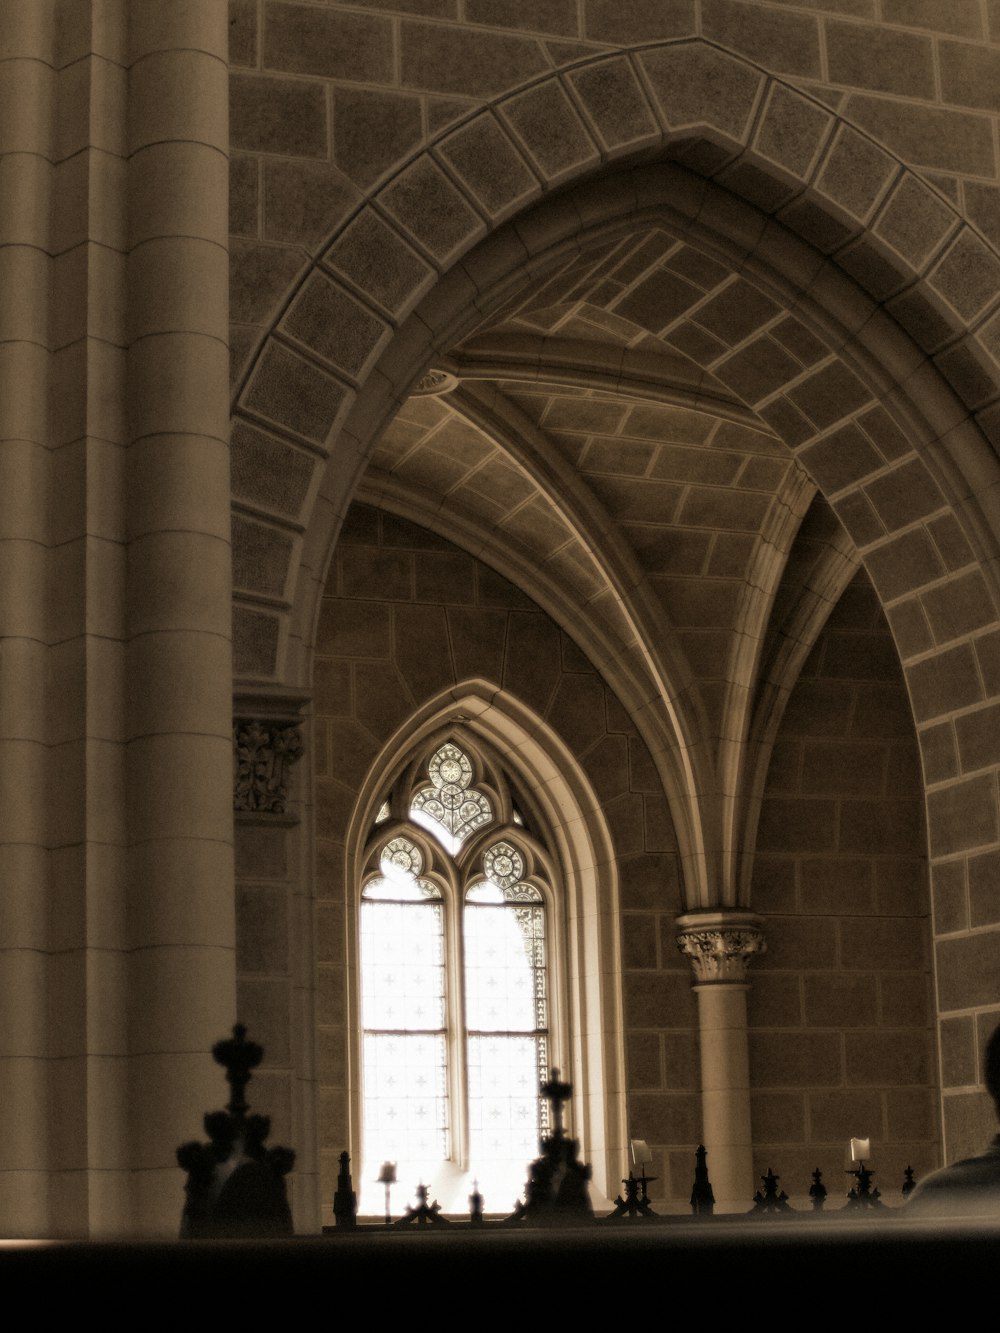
point(458, 922)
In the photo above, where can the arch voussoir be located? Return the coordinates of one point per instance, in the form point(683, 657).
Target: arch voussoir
point(611, 94)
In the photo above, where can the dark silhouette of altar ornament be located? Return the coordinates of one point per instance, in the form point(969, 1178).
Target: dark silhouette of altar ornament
point(235, 1185)
point(770, 1200)
point(818, 1191)
point(636, 1203)
point(345, 1201)
point(702, 1195)
point(425, 1213)
point(862, 1195)
point(635, 1206)
point(557, 1192)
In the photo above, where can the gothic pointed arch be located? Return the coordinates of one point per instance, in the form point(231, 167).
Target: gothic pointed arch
point(766, 176)
point(534, 871)
point(864, 362)
point(880, 380)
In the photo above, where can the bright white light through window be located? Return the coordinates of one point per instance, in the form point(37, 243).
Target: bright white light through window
point(416, 1057)
point(403, 1013)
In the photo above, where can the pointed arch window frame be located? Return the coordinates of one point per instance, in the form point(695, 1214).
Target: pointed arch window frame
point(455, 873)
point(552, 791)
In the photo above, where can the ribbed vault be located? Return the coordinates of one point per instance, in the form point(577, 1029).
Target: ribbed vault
point(675, 404)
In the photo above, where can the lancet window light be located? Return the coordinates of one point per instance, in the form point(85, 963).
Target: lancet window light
point(455, 980)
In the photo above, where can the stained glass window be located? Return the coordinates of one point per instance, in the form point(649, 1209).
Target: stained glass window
point(404, 1044)
point(506, 1014)
point(450, 807)
point(440, 1097)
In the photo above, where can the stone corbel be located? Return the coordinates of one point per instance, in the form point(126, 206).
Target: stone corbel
point(267, 742)
point(720, 945)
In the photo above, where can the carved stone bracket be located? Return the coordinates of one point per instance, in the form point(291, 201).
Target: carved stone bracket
point(263, 753)
point(435, 382)
point(720, 945)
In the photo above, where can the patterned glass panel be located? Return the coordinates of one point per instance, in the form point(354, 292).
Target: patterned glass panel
point(404, 1047)
point(505, 967)
point(401, 862)
point(401, 858)
point(505, 1073)
point(406, 1104)
point(506, 1012)
point(391, 890)
point(504, 865)
point(450, 808)
point(402, 966)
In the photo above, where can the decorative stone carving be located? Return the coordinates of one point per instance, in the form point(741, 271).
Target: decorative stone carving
point(263, 753)
point(435, 382)
point(720, 950)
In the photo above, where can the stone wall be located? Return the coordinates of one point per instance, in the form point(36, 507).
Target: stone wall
point(840, 1006)
point(407, 615)
point(331, 102)
point(329, 98)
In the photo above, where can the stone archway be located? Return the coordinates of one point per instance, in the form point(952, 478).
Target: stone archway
point(334, 363)
point(589, 950)
point(335, 369)
point(813, 214)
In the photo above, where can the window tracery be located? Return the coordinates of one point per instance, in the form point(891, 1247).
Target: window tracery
point(450, 807)
point(455, 978)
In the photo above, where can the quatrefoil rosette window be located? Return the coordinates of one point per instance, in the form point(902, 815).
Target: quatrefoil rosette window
point(454, 975)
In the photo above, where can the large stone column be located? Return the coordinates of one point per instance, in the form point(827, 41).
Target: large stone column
point(720, 945)
point(180, 905)
point(26, 155)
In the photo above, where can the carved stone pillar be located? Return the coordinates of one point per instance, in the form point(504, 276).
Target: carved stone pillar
point(720, 945)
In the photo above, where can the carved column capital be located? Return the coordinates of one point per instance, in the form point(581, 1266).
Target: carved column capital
point(263, 753)
point(720, 945)
point(267, 741)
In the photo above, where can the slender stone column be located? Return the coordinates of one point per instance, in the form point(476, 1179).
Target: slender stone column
point(720, 945)
point(180, 908)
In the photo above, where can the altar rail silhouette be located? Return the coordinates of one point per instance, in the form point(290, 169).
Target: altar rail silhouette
point(238, 1261)
point(236, 1185)
point(556, 1192)
point(633, 1204)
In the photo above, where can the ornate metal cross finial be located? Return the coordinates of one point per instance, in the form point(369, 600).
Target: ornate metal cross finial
point(556, 1094)
point(771, 1200)
point(237, 1056)
point(864, 1195)
point(235, 1185)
